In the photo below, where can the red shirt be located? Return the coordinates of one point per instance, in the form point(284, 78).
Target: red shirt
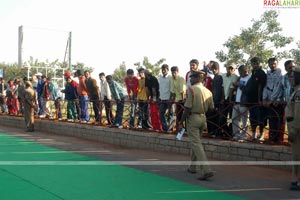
point(132, 85)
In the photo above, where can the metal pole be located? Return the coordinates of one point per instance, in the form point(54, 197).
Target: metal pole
point(20, 44)
point(70, 41)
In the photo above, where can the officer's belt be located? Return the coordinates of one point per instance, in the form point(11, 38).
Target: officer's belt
point(196, 113)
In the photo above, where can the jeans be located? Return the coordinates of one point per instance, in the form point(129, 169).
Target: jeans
point(84, 104)
point(119, 112)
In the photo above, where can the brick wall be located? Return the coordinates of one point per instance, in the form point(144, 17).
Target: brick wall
point(216, 149)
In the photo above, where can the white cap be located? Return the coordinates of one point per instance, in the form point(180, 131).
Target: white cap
point(39, 74)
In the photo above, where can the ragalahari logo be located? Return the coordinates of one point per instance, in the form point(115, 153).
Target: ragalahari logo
point(282, 3)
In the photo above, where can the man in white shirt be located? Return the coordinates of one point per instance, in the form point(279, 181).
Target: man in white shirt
point(164, 89)
point(240, 109)
point(106, 98)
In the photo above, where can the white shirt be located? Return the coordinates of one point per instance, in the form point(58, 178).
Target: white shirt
point(105, 90)
point(164, 87)
point(243, 81)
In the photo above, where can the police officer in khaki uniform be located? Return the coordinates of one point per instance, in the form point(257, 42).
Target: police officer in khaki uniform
point(293, 119)
point(199, 100)
point(29, 105)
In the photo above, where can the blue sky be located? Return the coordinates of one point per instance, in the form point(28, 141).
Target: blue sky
point(106, 33)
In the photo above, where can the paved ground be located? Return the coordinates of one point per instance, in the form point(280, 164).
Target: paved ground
point(248, 182)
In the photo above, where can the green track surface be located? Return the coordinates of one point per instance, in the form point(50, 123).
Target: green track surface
point(84, 182)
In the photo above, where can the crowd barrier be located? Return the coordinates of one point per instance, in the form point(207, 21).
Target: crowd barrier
point(219, 121)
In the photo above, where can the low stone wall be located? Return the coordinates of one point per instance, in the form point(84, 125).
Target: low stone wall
point(216, 149)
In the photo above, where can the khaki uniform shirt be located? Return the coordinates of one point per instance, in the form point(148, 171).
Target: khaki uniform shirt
point(29, 96)
point(199, 99)
point(293, 109)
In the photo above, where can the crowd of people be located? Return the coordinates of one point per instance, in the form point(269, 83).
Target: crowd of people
point(205, 98)
point(251, 96)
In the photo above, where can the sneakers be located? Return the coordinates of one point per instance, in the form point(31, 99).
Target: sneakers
point(261, 137)
point(70, 120)
point(139, 126)
point(120, 127)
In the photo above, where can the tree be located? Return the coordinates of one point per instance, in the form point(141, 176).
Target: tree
point(82, 66)
point(154, 67)
point(11, 71)
point(120, 73)
point(295, 53)
point(259, 40)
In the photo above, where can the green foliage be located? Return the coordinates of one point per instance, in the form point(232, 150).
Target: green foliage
point(12, 71)
point(154, 67)
point(53, 69)
point(119, 74)
point(258, 40)
point(82, 66)
point(296, 54)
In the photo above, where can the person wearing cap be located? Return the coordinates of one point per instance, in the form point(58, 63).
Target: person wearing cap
point(177, 90)
point(293, 122)
point(199, 101)
point(229, 79)
point(71, 95)
point(39, 89)
point(132, 85)
point(257, 112)
point(30, 98)
point(273, 101)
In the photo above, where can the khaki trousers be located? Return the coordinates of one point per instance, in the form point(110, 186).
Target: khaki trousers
point(29, 116)
point(296, 157)
point(195, 126)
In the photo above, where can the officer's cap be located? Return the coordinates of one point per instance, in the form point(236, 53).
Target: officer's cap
point(296, 69)
point(197, 73)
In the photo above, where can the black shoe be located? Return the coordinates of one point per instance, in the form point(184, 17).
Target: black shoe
point(206, 176)
point(295, 186)
point(191, 171)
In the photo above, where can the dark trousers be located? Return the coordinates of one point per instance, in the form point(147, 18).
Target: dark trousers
point(163, 107)
point(144, 115)
point(275, 117)
point(226, 114)
point(108, 110)
point(119, 112)
point(179, 112)
point(213, 118)
point(96, 105)
point(257, 117)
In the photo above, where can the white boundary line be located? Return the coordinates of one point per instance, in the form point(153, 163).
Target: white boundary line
point(178, 163)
